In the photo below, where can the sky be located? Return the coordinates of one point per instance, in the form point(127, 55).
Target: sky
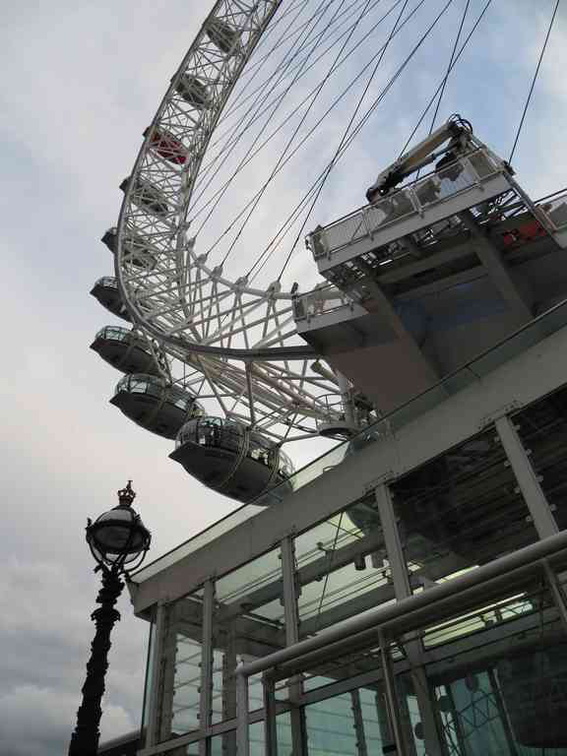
point(80, 83)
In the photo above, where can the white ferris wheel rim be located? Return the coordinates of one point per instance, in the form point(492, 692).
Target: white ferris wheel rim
point(229, 66)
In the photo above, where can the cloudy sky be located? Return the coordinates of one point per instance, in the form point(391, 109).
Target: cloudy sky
point(80, 83)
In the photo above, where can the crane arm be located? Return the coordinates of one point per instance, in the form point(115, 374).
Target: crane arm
point(456, 129)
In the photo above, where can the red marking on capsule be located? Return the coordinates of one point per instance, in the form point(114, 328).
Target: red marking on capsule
point(167, 146)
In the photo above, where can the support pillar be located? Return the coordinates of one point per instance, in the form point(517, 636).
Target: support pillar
point(402, 589)
point(242, 735)
point(154, 669)
point(528, 482)
point(291, 616)
point(206, 683)
point(271, 734)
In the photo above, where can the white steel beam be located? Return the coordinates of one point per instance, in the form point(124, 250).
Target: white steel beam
point(528, 482)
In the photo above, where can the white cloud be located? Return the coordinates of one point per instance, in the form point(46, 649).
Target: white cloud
point(80, 82)
point(36, 721)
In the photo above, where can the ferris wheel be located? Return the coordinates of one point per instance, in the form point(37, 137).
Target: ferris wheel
point(208, 248)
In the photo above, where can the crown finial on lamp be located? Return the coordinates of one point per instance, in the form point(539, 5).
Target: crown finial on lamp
point(126, 495)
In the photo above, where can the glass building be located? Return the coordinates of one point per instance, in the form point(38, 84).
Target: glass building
point(405, 595)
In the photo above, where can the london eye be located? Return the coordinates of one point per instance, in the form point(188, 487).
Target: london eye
point(237, 344)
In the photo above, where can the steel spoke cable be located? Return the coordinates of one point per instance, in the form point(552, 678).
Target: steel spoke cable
point(327, 112)
point(292, 137)
point(312, 191)
point(220, 192)
point(364, 118)
point(288, 58)
point(380, 98)
point(257, 64)
point(297, 108)
point(315, 186)
point(344, 136)
point(447, 73)
point(340, 21)
point(440, 85)
point(260, 99)
point(449, 66)
point(245, 160)
point(534, 79)
point(237, 130)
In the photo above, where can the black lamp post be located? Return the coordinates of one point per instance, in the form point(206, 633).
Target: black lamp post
point(118, 540)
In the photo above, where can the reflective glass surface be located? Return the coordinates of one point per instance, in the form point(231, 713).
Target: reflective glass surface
point(341, 568)
point(185, 631)
point(542, 427)
point(248, 623)
point(348, 724)
point(460, 510)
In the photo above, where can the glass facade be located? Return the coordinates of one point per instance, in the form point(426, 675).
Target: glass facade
point(467, 672)
point(460, 510)
point(543, 429)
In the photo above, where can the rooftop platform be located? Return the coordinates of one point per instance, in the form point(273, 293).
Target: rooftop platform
point(407, 307)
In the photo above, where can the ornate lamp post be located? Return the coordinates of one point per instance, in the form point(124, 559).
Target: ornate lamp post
point(118, 540)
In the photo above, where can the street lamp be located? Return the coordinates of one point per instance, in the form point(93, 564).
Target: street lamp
point(118, 541)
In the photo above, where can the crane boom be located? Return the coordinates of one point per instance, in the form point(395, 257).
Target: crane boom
point(456, 130)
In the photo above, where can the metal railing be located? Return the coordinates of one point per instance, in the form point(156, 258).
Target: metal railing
point(323, 299)
point(431, 190)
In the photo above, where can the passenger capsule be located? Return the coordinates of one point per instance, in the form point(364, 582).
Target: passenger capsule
point(106, 292)
point(136, 250)
point(221, 34)
point(146, 195)
point(125, 350)
point(226, 456)
point(154, 405)
point(193, 91)
point(167, 146)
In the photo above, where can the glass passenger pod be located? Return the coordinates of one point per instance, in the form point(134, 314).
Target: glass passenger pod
point(125, 350)
point(146, 195)
point(106, 292)
point(154, 405)
point(167, 146)
point(222, 34)
point(227, 457)
point(136, 250)
point(193, 92)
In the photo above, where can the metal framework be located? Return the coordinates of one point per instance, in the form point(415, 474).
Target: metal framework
point(424, 640)
point(201, 317)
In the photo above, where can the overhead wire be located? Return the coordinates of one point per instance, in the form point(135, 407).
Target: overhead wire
point(246, 159)
point(313, 188)
point(345, 134)
point(278, 101)
point(534, 79)
point(327, 112)
point(296, 130)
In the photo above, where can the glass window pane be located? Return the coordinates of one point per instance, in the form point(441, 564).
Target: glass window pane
point(340, 568)
point(248, 623)
point(460, 510)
